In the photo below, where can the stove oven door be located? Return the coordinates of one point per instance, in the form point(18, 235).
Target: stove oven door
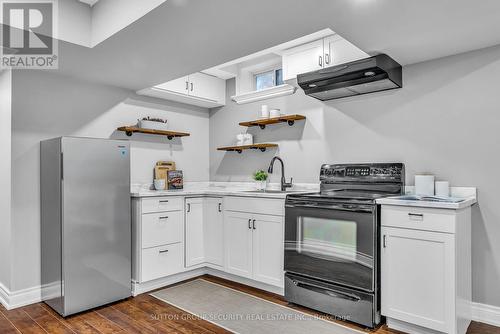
point(332, 242)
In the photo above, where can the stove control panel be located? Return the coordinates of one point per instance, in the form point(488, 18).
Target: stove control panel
point(377, 172)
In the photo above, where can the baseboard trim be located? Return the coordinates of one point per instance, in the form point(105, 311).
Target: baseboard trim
point(140, 288)
point(255, 284)
point(14, 299)
point(4, 296)
point(487, 314)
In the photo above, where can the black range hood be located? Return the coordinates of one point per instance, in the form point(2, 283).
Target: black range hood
point(363, 76)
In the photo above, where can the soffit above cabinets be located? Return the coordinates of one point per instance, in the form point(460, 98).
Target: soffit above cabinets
point(253, 72)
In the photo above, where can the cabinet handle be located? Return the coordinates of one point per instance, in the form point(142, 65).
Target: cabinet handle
point(384, 242)
point(419, 216)
point(249, 224)
point(327, 58)
point(189, 207)
point(164, 217)
point(192, 86)
point(253, 225)
point(187, 85)
point(164, 201)
point(320, 62)
point(163, 251)
point(220, 207)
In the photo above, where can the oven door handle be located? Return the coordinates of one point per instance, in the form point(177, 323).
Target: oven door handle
point(352, 208)
point(330, 292)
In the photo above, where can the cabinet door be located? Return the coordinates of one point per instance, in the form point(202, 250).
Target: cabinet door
point(238, 243)
point(194, 232)
point(417, 277)
point(303, 58)
point(180, 85)
point(339, 51)
point(214, 231)
point(268, 249)
point(207, 87)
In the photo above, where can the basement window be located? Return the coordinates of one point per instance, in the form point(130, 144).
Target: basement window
point(267, 79)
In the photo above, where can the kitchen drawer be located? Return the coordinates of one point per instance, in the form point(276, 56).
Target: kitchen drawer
point(162, 204)
point(162, 261)
point(426, 219)
point(264, 206)
point(162, 228)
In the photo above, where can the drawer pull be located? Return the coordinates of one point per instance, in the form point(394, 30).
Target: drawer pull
point(163, 251)
point(164, 201)
point(416, 216)
point(164, 217)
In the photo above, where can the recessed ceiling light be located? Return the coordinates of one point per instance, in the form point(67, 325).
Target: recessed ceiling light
point(89, 2)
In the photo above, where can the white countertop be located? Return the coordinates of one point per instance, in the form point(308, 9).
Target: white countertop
point(468, 194)
point(222, 189)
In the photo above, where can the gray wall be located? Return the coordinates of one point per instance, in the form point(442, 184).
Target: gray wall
point(47, 105)
point(5, 175)
point(445, 120)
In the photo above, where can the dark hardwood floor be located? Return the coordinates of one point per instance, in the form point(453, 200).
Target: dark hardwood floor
point(144, 314)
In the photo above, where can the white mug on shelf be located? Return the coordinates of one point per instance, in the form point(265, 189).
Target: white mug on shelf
point(240, 139)
point(264, 112)
point(248, 139)
point(274, 113)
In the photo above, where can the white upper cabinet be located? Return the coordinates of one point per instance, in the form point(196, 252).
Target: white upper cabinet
point(322, 53)
point(180, 85)
point(207, 87)
point(303, 58)
point(197, 89)
point(339, 51)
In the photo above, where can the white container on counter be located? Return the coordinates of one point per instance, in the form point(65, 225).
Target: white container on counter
point(442, 188)
point(424, 185)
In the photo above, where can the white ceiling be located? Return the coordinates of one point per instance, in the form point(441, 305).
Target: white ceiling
point(185, 36)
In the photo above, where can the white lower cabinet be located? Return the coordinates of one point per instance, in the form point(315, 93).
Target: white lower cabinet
point(214, 231)
point(161, 261)
point(254, 246)
point(195, 251)
point(238, 237)
point(174, 234)
point(268, 249)
point(204, 232)
point(157, 237)
point(426, 272)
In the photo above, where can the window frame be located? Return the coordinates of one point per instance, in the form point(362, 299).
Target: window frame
point(273, 69)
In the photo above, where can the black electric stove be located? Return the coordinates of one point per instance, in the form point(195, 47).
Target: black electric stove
point(332, 237)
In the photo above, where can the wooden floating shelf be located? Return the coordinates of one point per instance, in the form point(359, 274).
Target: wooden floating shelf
point(290, 119)
point(239, 149)
point(129, 130)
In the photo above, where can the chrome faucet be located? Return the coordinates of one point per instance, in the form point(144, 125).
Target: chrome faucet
point(284, 184)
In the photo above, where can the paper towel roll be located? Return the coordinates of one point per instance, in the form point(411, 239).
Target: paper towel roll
point(424, 185)
point(442, 188)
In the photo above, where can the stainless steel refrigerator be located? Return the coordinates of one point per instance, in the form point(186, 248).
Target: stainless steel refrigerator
point(85, 223)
